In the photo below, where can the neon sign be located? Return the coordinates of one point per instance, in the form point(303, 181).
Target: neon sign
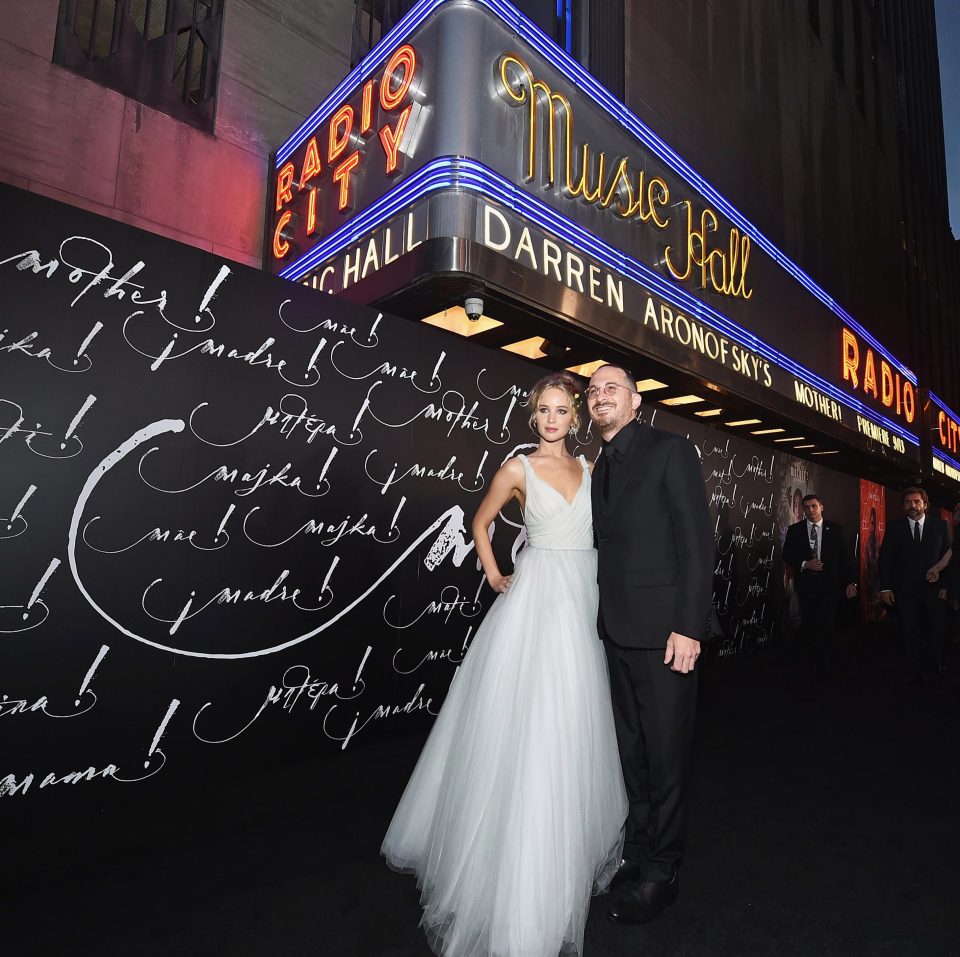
point(342, 151)
point(627, 194)
point(594, 199)
point(860, 369)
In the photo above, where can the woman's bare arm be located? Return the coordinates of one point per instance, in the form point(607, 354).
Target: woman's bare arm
point(508, 483)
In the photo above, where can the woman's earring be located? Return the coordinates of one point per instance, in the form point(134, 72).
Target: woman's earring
point(532, 422)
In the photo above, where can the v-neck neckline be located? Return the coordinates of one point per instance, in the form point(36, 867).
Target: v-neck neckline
point(553, 488)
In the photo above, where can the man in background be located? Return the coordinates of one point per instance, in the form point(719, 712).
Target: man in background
point(823, 570)
point(912, 547)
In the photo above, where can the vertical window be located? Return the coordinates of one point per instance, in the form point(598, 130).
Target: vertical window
point(164, 53)
point(372, 20)
point(858, 75)
point(567, 27)
point(875, 27)
point(838, 36)
point(813, 15)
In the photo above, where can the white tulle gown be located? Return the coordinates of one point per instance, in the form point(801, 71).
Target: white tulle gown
point(514, 812)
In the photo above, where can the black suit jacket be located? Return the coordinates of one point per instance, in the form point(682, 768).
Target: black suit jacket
point(837, 561)
point(654, 543)
point(904, 564)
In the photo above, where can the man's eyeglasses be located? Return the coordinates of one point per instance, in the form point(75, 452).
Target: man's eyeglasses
point(608, 389)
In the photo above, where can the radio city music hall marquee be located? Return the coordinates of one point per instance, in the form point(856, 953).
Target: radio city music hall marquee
point(469, 127)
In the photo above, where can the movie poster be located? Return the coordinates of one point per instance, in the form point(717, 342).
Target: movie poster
point(797, 478)
point(873, 510)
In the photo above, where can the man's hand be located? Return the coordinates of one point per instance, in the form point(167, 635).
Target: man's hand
point(813, 565)
point(681, 653)
point(851, 591)
point(886, 596)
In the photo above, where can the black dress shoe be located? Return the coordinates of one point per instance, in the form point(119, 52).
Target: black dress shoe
point(627, 872)
point(643, 901)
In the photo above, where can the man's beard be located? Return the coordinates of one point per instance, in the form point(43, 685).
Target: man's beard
point(603, 417)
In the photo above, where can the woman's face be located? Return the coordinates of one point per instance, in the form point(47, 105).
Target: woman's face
point(553, 415)
point(797, 504)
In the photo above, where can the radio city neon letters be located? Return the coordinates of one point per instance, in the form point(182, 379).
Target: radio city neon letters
point(860, 370)
point(341, 151)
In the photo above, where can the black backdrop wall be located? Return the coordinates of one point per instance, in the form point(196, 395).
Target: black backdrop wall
point(234, 512)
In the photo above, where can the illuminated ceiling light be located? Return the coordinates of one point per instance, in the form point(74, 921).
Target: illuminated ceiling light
point(829, 452)
point(588, 368)
point(793, 438)
point(706, 413)
point(650, 385)
point(455, 320)
point(682, 400)
point(810, 446)
point(744, 422)
point(767, 431)
point(531, 348)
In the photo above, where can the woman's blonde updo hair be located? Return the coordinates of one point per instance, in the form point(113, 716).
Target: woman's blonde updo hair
point(566, 384)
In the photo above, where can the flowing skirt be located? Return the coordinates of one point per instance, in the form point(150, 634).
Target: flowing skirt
point(514, 812)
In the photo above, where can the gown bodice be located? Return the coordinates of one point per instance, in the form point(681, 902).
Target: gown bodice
point(551, 521)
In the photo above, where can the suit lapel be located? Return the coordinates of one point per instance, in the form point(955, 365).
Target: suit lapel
point(596, 495)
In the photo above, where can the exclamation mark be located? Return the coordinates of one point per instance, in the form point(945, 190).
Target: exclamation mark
point(97, 326)
point(89, 675)
point(76, 419)
point(313, 359)
point(396, 514)
point(174, 704)
point(366, 655)
point(372, 336)
point(326, 581)
point(211, 292)
point(183, 614)
point(20, 504)
point(167, 349)
point(513, 402)
point(363, 408)
point(483, 460)
point(389, 480)
point(51, 568)
point(326, 466)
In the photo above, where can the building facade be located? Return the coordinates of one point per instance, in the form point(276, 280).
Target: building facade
point(801, 137)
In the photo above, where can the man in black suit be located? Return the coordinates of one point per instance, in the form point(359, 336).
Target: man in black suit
point(655, 551)
point(911, 547)
point(823, 572)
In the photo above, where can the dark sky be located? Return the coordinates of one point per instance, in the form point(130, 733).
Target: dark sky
point(948, 35)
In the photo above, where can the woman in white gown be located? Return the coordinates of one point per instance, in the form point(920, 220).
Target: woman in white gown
point(514, 812)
